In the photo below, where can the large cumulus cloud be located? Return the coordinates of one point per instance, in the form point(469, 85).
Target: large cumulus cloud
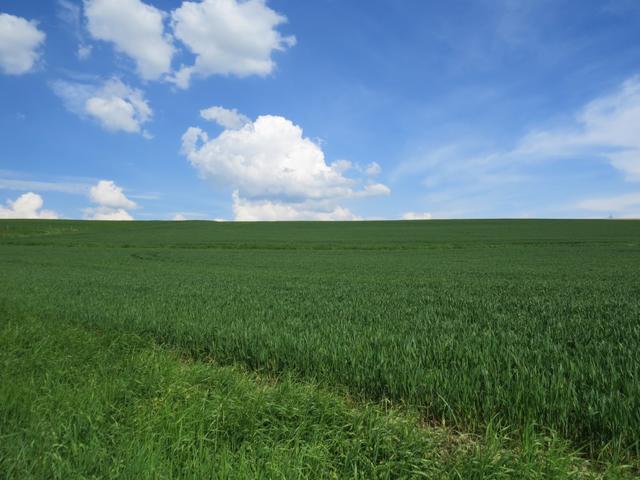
point(273, 169)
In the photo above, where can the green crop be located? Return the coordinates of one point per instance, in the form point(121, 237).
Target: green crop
point(530, 325)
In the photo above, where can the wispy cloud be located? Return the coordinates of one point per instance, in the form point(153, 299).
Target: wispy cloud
point(146, 196)
point(70, 13)
point(618, 205)
point(605, 129)
point(34, 185)
point(16, 181)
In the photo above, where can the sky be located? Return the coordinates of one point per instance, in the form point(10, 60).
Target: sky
point(319, 110)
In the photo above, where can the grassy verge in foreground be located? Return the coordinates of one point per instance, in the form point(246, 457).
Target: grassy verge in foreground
point(77, 404)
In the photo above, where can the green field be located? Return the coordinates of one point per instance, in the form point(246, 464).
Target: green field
point(429, 349)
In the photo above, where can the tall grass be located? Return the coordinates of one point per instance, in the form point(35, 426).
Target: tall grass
point(76, 404)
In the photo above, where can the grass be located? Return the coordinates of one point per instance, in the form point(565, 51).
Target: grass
point(76, 404)
point(523, 335)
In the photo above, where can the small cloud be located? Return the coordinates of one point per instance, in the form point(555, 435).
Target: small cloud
point(342, 165)
point(178, 217)
point(107, 194)
point(107, 214)
point(416, 216)
point(20, 42)
point(267, 210)
point(114, 105)
point(111, 201)
point(373, 169)
point(228, 119)
point(618, 205)
point(373, 190)
point(27, 205)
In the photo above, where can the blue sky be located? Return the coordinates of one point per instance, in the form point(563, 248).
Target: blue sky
point(281, 109)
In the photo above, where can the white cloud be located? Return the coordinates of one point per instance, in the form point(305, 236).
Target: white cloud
point(178, 217)
point(119, 108)
point(228, 37)
point(114, 105)
point(607, 127)
point(136, 29)
point(104, 213)
point(373, 169)
point(27, 205)
point(111, 200)
point(74, 95)
point(20, 41)
point(268, 157)
point(417, 216)
point(267, 210)
point(107, 194)
point(275, 171)
point(229, 119)
point(114, 113)
point(373, 190)
point(614, 205)
point(342, 165)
